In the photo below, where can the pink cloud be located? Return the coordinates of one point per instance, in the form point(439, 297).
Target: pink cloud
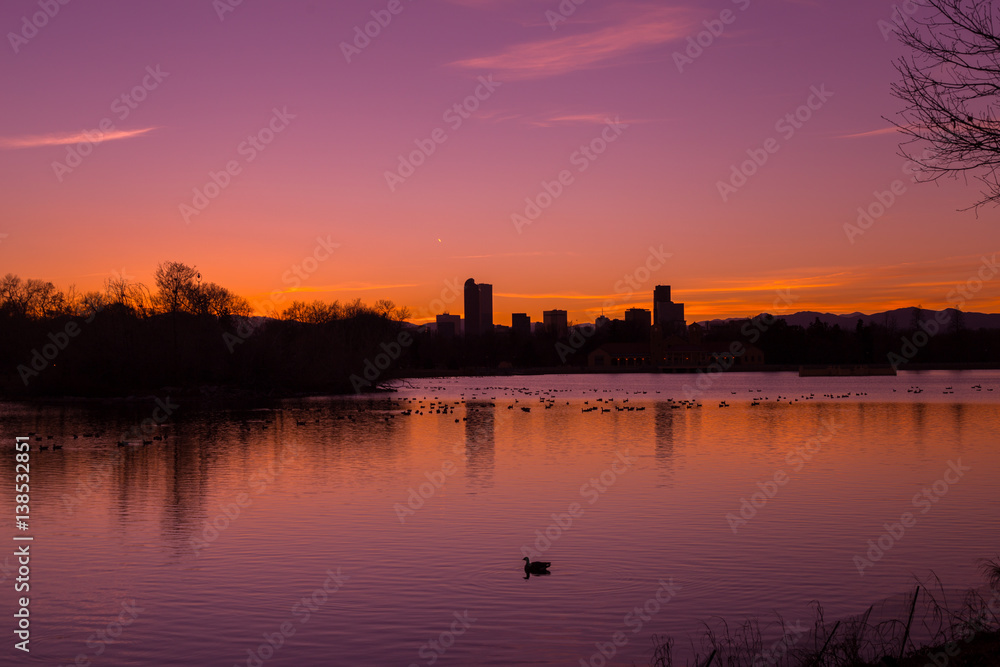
point(872, 133)
point(64, 139)
point(552, 57)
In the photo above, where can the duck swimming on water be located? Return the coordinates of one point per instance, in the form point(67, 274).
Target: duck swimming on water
point(535, 567)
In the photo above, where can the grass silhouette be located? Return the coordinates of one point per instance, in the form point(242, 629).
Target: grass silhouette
point(927, 626)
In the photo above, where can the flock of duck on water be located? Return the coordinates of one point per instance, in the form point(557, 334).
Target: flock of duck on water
point(546, 399)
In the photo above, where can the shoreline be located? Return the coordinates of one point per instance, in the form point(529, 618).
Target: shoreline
point(224, 393)
point(587, 370)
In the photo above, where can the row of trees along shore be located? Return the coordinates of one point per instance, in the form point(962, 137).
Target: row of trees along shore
point(183, 333)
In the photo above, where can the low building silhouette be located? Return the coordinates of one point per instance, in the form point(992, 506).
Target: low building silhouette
point(449, 326)
point(621, 355)
point(675, 354)
point(638, 323)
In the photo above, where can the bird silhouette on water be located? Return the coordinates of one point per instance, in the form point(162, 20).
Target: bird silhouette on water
point(537, 568)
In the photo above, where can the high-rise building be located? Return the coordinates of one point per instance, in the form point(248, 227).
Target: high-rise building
point(478, 308)
point(556, 322)
point(485, 307)
point(668, 317)
point(661, 295)
point(520, 323)
point(472, 317)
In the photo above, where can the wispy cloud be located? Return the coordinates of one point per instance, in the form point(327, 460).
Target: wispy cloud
point(585, 297)
point(646, 295)
point(560, 55)
point(347, 287)
point(532, 253)
point(497, 115)
point(477, 3)
point(556, 118)
point(549, 120)
point(762, 288)
point(590, 118)
point(65, 139)
point(871, 133)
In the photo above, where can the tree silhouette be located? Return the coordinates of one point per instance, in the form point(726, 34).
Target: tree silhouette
point(126, 295)
point(30, 298)
point(387, 309)
point(315, 312)
point(222, 303)
point(176, 285)
point(118, 340)
point(950, 84)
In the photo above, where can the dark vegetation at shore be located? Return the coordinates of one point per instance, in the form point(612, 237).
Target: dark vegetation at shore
point(184, 334)
point(923, 627)
point(926, 340)
point(781, 343)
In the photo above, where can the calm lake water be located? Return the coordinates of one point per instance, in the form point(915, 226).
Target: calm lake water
point(352, 534)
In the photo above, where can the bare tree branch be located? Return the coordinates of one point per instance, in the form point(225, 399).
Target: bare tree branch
point(950, 86)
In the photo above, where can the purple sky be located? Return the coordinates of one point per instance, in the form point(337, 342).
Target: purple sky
point(660, 132)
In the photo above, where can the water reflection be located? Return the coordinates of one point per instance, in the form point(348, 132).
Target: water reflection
point(919, 419)
point(480, 443)
point(137, 510)
point(668, 431)
point(958, 419)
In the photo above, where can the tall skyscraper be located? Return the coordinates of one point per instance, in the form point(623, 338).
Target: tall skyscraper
point(520, 323)
point(478, 308)
point(472, 318)
point(668, 317)
point(661, 294)
point(485, 307)
point(555, 322)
